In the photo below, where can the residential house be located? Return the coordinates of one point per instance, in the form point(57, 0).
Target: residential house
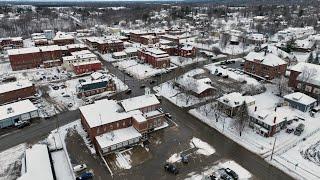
point(300, 101)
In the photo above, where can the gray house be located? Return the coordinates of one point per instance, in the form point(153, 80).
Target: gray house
point(18, 111)
point(300, 101)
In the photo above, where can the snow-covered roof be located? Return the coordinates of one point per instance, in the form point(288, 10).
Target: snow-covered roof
point(97, 75)
point(300, 98)
point(103, 112)
point(139, 102)
point(312, 69)
point(62, 36)
point(120, 53)
point(80, 52)
point(235, 99)
point(16, 108)
point(30, 50)
point(269, 59)
point(131, 50)
point(70, 46)
point(38, 164)
point(86, 63)
point(187, 48)
point(195, 85)
point(271, 116)
point(117, 136)
point(12, 86)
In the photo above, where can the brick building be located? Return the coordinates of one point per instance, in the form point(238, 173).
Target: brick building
point(78, 57)
point(109, 46)
point(141, 36)
point(16, 90)
point(14, 42)
point(76, 47)
point(186, 51)
point(62, 39)
point(264, 64)
point(305, 77)
point(156, 57)
point(85, 67)
point(113, 125)
point(149, 39)
point(33, 57)
point(95, 86)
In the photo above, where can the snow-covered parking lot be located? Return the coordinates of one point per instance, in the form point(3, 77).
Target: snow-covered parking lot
point(140, 71)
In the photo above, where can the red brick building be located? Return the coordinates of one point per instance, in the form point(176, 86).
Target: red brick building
point(85, 67)
point(96, 86)
point(33, 57)
point(110, 46)
point(186, 51)
point(148, 39)
point(265, 65)
point(62, 39)
point(156, 57)
point(123, 121)
point(14, 42)
point(143, 37)
point(16, 90)
point(305, 77)
point(76, 47)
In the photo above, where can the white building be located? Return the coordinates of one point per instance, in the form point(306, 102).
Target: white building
point(18, 111)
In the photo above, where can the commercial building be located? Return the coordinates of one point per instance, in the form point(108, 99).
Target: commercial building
point(113, 125)
point(79, 57)
point(63, 38)
point(300, 101)
point(11, 42)
point(155, 57)
point(95, 86)
point(16, 90)
point(18, 111)
point(85, 67)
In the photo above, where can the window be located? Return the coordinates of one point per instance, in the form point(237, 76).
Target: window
point(316, 90)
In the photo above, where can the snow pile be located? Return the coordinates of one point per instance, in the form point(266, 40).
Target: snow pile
point(242, 173)
point(174, 158)
point(203, 147)
point(61, 168)
point(10, 160)
point(123, 160)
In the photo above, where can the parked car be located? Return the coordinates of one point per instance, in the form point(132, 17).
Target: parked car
point(224, 67)
point(171, 168)
point(219, 74)
point(225, 76)
point(289, 130)
point(233, 174)
point(168, 115)
point(152, 82)
point(213, 177)
point(142, 86)
point(55, 87)
point(22, 124)
point(184, 159)
point(84, 176)
point(226, 177)
point(80, 167)
point(66, 96)
point(70, 105)
point(82, 80)
point(299, 129)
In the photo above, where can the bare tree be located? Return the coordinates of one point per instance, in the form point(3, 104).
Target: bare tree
point(242, 117)
point(306, 75)
point(282, 85)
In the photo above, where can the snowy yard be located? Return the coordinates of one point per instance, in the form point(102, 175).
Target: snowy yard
point(236, 75)
point(181, 61)
point(10, 162)
point(140, 71)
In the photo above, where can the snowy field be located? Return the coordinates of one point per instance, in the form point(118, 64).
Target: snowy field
point(10, 162)
point(214, 170)
point(140, 71)
point(236, 75)
point(302, 159)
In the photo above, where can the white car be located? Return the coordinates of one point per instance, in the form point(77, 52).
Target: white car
point(79, 168)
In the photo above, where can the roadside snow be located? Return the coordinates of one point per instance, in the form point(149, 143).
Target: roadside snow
point(242, 173)
point(203, 147)
point(174, 158)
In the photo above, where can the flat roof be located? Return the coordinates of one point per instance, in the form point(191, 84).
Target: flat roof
point(117, 136)
point(16, 108)
point(300, 98)
point(139, 102)
point(12, 86)
point(38, 164)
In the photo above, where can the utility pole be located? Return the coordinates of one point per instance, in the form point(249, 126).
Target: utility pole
point(274, 144)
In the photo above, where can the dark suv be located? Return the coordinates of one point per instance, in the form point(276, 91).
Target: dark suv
point(171, 168)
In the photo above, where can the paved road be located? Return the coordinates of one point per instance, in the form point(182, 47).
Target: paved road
point(225, 147)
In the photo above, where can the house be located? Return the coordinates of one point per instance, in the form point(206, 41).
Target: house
point(16, 90)
point(119, 55)
point(93, 87)
point(18, 111)
point(110, 45)
point(268, 122)
point(85, 67)
point(155, 57)
point(33, 57)
point(230, 103)
point(255, 39)
point(149, 39)
point(113, 125)
point(186, 51)
point(265, 64)
point(37, 164)
point(197, 87)
point(305, 77)
point(300, 101)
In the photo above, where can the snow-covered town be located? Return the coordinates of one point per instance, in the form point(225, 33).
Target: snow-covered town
point(192, 90)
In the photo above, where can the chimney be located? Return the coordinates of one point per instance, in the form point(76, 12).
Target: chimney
point(275, 109)
point(255, 108)
point(274, 119)
point(265, 52)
